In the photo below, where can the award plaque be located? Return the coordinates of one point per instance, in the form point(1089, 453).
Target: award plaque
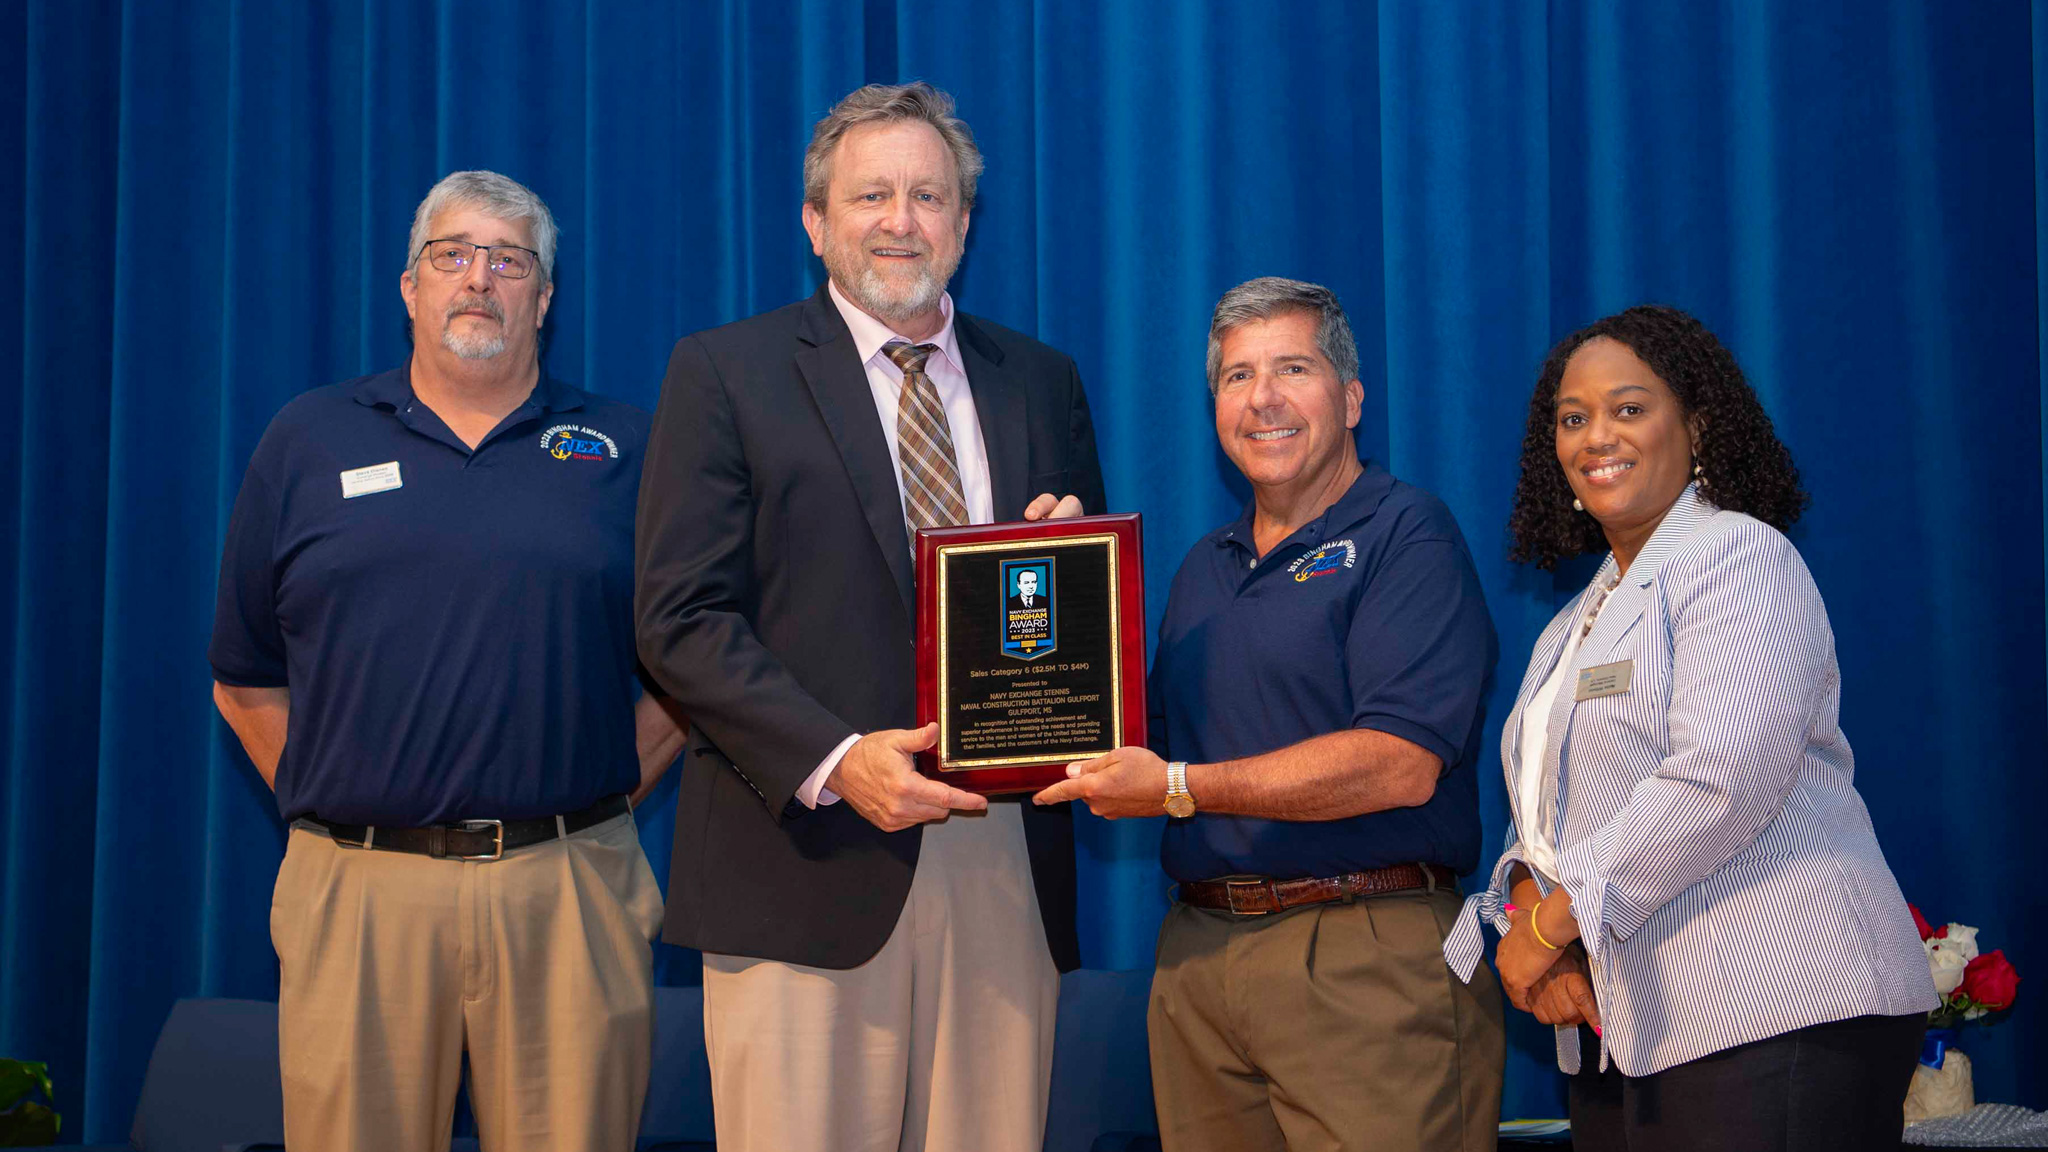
point(1030, 648)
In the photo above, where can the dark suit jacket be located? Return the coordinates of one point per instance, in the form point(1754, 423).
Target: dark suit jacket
point(769, 514)
point(1038, 601)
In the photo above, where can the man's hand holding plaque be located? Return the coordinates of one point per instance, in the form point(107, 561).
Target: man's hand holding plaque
point(878, 777)
point(1127, 782)
point(1046, 507)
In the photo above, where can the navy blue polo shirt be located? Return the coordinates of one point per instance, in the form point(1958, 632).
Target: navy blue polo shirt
point(1369, 616)
point(458, 634)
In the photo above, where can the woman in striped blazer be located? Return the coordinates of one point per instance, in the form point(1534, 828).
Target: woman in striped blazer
point(1691, 872)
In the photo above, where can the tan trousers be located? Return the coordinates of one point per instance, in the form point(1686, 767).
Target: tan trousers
point(941, 1041)
point(1329, 1027)
point(393, 964)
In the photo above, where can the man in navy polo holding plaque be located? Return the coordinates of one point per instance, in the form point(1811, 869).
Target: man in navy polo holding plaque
point(881, 949)
point(1316, 701)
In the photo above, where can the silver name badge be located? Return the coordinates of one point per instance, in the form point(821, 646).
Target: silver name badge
point(1605, 680)
point(376, 478)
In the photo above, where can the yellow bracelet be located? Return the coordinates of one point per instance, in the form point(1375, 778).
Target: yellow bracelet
point(1533, 914)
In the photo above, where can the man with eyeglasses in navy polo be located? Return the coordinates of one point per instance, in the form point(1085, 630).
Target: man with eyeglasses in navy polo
point(424, 640)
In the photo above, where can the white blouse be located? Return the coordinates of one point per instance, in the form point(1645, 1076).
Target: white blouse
point(1538, 830)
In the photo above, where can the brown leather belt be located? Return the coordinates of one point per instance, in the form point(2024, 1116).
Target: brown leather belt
point(1258, 896)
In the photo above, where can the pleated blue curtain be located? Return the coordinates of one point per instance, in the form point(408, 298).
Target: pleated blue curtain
point(213, 199)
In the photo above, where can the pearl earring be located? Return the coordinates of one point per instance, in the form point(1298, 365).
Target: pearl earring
point(1699, 474)
point(1578, 505)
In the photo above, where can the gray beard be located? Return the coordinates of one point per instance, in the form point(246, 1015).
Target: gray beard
point(866, 288)
point(476, 346)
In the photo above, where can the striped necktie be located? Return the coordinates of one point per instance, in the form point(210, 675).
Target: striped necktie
point(924, 445)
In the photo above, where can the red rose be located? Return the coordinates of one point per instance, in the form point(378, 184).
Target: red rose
point(1920, 922)
point(1990, 980)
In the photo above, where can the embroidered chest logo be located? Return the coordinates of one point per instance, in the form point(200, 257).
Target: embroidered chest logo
point(1323, 561)
point(575, 442)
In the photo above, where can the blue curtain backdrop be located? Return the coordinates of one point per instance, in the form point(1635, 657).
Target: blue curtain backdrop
point(210, 208)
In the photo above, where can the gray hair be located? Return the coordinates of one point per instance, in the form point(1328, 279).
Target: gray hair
point(1270, 296)
point(891, 104)
point(499, 196)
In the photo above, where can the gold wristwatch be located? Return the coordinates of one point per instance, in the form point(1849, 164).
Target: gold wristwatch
point(1180, 803)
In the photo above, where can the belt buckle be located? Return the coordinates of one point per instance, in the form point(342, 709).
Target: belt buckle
point(497, 849)
point(1230, 890)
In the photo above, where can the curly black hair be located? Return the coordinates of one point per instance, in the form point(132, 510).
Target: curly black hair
point(1745, 468)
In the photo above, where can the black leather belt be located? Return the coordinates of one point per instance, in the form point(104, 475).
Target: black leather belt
point(474, 839)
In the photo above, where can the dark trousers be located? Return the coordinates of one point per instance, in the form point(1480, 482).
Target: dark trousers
point(1840, 1085)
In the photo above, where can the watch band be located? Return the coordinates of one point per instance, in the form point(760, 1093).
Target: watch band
point(1180, 802)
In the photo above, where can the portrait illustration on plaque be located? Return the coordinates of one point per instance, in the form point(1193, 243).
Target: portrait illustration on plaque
point(1029, 621)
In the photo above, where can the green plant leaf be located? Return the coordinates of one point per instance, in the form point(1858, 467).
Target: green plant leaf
point(27, 1125)
point(18, 1078)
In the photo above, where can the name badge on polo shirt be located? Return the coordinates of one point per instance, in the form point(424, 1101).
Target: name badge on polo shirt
point(1605, 680)
point(365, 481)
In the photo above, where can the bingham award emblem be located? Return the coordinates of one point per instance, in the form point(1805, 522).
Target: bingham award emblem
point(1029, 626)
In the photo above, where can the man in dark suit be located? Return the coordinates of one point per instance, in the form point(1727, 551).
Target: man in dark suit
point(881, 949)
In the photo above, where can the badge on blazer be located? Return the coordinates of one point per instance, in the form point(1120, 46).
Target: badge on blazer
point(1605, 680)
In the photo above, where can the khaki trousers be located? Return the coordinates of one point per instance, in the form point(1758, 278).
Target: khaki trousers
point(941, 1041)
point(538, 964)
point(1329, 1027)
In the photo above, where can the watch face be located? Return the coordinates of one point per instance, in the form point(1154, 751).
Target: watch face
point(1180, 805)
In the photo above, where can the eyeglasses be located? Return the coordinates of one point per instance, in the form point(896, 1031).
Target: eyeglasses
point(507, 260)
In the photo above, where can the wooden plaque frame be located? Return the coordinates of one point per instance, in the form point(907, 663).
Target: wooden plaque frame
point(1122, 536)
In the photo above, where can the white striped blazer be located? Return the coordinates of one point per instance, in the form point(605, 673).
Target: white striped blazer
point(1726, 879)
